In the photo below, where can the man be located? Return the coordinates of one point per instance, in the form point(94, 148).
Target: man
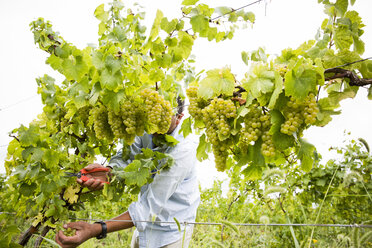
point(173, 194)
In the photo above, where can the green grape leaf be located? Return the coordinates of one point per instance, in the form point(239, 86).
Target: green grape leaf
point(101, 14)
point(370, 92)
point(245, 57)
point(258, 55)
point(252, 172)
point(168, 26)
point(306, 155)
point(48, 187)
point(300, 81)
point(27, 189)
point(54, 62)
point(110, 80)
point(260, 80)
point(341, 6)
point(203, 148)
point(278, 88)
point(200, 24)
point(51, 158)
point(74, 68)
point(112, 99)
point(183, 48)
point(97, 60)
point(342, 37)
point(29, 136)
point(63, 51)
point(186, 127)
point(281, 141)
point(136, 174)
point(171, 140)
point(189, 2)
point(156, 25)
point(217, 81)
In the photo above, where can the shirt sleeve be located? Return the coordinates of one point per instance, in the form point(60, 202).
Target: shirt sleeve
point(156, 195)
point(117, 160)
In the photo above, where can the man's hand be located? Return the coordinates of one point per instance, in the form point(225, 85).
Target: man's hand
point(84, 231)
point(96, 179)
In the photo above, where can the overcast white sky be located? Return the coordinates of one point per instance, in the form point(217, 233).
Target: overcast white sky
point(282, 24)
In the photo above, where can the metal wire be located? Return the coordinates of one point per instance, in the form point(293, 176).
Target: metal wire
point(235, 224)
point(220, 224)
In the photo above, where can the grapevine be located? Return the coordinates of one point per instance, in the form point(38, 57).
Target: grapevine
point(127, 85)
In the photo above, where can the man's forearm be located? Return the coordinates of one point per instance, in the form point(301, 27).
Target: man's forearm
point(117, 225)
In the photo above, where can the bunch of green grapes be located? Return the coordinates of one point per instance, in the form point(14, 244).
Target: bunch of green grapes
point(83, 114)
point(132, 115)
point(267, 147)
point(281, 68)
point(101, 125)
point(215, 117)
point(69, 232)
point(311, 109)
point(158, 111)
point(293, 116)
point(116, 124)
point(257, 124)
point(217, 113)
point(252, 125)
point(221, 153)
point(298, 112)
point(196, 104)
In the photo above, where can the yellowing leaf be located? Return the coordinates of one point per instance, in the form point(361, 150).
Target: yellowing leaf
point(37, 219)
point(71, 194)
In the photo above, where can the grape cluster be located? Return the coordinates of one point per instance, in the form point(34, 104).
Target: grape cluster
point(196, 104)
point(311, 109)
point(257, 124)
point(116, 124)
point(83, 114)
point(215, 117)
point(101, 125)
point(252, 125)
point(267, 147)
point(281, 68)
point(297, 112)
point(132, 115)
point(158, 111)
point(69, 232)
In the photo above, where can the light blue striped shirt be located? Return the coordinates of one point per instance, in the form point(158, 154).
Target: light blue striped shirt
point(174, 193)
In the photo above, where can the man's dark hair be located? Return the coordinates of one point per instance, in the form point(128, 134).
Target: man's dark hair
point(180, 105)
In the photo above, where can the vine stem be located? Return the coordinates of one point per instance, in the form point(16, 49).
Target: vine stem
point(321, 205)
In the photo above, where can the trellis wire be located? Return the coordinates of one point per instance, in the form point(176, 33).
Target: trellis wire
point(236, 224)
point(220, 224)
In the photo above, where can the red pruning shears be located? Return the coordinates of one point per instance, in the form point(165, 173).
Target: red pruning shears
point(82, 173)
